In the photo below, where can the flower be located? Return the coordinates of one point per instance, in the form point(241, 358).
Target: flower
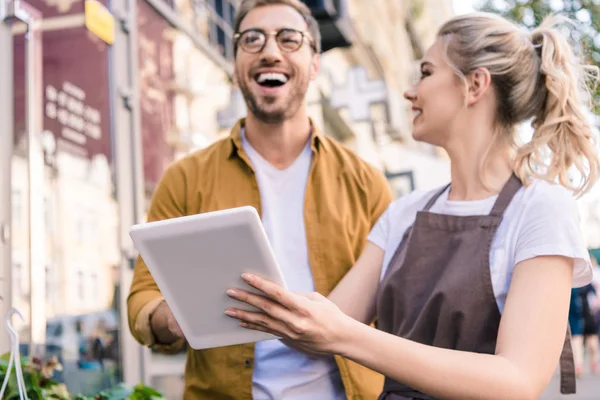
point(50, 366)
point(36, 362)
point(59, 389)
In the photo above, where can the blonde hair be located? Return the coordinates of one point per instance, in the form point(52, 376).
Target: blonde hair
point(536, 76)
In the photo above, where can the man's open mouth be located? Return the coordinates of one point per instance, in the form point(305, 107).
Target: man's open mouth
point(271, 79)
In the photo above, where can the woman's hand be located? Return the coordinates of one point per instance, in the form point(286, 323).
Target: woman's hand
point(310, 322)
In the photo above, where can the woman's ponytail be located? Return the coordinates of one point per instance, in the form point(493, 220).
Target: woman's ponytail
point(563, 134)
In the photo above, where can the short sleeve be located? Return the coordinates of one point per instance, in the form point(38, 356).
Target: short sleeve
point(551, 227)
point(380, 195)
point(380, 233)
point(398, 216)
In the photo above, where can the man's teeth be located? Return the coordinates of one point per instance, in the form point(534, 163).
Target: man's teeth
point(417, 112)
point(272, 76)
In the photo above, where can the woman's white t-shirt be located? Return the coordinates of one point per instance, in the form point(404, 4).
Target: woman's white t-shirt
point(542, 219)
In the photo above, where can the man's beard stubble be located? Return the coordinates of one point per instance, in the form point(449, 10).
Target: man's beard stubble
point(295, 99)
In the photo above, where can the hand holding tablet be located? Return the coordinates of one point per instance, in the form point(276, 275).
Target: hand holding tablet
point(195, 259)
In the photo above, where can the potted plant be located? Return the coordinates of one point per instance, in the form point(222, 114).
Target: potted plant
point(37, 377)
point(39, 384)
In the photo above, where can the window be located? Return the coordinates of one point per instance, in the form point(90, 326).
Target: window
point(91, 227)
point(221, 14)
point(85, 227)
point(17, 279)
point(17, 207)
point(95, 288)
point(79, 228)
point(49, 285)
point(80, 286)
point(49, 215)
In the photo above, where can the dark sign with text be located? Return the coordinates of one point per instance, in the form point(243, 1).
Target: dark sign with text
point(75, 92)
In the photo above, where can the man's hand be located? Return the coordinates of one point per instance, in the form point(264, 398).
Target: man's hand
point(164, 326)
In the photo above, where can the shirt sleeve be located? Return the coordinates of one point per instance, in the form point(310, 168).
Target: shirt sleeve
point(551, 227)
point(144, 332)
point(144, 296)
point(380, 194)
point(380, 233)
point(393, 222)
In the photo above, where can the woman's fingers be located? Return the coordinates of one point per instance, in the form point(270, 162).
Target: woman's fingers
point(274, 291)
point(259, 322)
point(264, 304)
point(255, 327)
point(284, 338)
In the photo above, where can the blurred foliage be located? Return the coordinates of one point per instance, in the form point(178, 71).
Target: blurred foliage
point(39, 384)
point(416, 8)
point(585, 33)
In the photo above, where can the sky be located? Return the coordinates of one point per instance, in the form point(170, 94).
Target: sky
point(463, 6)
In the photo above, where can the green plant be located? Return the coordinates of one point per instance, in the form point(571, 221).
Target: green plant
point(38, 379)
point(122, 392)
point(39, 384)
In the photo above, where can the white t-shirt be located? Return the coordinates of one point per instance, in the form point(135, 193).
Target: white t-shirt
point(279, 371)
point(542, 219)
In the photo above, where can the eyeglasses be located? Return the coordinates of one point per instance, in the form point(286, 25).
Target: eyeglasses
point(254, 40)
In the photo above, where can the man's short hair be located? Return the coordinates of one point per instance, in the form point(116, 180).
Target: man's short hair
point(313, 26)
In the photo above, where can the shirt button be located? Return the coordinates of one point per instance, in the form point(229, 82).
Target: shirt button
point(247, 363)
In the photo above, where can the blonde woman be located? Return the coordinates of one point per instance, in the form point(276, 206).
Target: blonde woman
point(469, 283)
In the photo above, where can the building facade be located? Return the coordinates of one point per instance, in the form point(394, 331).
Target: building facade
point(101, 98)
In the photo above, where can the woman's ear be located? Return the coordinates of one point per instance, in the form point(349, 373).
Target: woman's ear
point(479, 81)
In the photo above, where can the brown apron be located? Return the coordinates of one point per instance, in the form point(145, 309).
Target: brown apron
point(438, 288)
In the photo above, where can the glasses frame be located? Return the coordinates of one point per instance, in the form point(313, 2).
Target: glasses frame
point(304, 35)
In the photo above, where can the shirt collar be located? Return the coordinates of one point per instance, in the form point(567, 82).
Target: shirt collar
point(235, 138)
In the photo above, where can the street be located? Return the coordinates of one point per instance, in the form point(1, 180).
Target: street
point(588, 388)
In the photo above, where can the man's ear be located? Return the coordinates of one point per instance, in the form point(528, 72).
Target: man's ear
point(479, 81)
point(234, 78)
point(315, 67)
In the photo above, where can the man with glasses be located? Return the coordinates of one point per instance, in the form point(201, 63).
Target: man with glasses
point(317, 201)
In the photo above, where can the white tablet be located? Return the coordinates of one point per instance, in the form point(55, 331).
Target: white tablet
point(195, 259)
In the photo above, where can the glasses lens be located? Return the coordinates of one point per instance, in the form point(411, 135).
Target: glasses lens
point(252, 41)
point(289, 40)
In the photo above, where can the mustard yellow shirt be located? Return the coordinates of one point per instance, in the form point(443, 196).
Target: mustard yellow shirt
point(344, 198)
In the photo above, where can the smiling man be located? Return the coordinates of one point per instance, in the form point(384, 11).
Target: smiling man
point(317, 201)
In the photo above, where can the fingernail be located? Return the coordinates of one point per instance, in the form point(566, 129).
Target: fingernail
point(230, 313)
point(247, 277)
point(243, 324)
point(232, 292)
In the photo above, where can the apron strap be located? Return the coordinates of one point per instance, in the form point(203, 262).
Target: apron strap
point(567, 367)
point(436, 196)
point(511, 187)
